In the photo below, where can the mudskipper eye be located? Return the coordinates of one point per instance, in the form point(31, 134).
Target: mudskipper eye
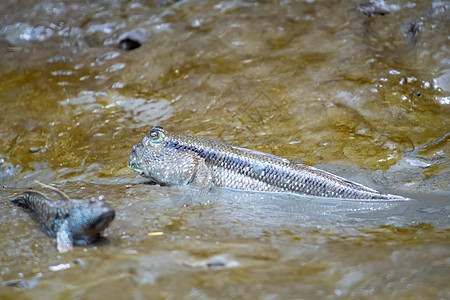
point(155, 137)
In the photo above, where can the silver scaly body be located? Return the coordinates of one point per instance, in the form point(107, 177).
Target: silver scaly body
point(175, 159)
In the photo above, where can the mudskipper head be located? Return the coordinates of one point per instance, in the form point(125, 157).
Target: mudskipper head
point(145, 155)
point(161, 158)
point(89, 219)
point(102, 214)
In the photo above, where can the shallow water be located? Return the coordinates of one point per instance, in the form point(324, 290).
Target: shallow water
point(317, 82)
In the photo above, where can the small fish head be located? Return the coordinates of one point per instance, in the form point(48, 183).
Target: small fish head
point(90, 219)
point(102, 221)
point(100, 216)
point(153, 160)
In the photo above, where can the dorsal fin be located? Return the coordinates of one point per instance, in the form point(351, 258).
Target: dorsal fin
point(56, 190)
point(255, 152)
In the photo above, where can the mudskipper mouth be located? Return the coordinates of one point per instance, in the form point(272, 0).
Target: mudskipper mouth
point(105, 219)
point(132, 163)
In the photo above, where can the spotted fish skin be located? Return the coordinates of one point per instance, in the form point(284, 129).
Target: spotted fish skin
point(71, 222)
point(176, 159)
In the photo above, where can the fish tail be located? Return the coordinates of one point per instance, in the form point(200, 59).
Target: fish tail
point(31, 200)
point(398, 198)
point(20, 201)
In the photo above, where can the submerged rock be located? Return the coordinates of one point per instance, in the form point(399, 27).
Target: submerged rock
point(370, 10)
point(22, 32)
point(8, 170)
point(133, 39)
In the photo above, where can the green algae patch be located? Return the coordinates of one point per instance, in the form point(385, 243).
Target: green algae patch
point(33, 119)
point(416, 234)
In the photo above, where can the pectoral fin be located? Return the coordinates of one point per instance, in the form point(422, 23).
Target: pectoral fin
point(64, 238)
point(203, 177)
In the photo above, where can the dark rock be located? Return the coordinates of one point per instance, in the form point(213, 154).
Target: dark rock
point(35, 149)
point(370, 10)
point(133, 39)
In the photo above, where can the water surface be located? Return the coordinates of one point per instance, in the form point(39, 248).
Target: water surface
point(317, 82)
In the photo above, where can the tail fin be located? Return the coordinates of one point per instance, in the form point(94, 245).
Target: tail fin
point(29, 200)
point(19, 202)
